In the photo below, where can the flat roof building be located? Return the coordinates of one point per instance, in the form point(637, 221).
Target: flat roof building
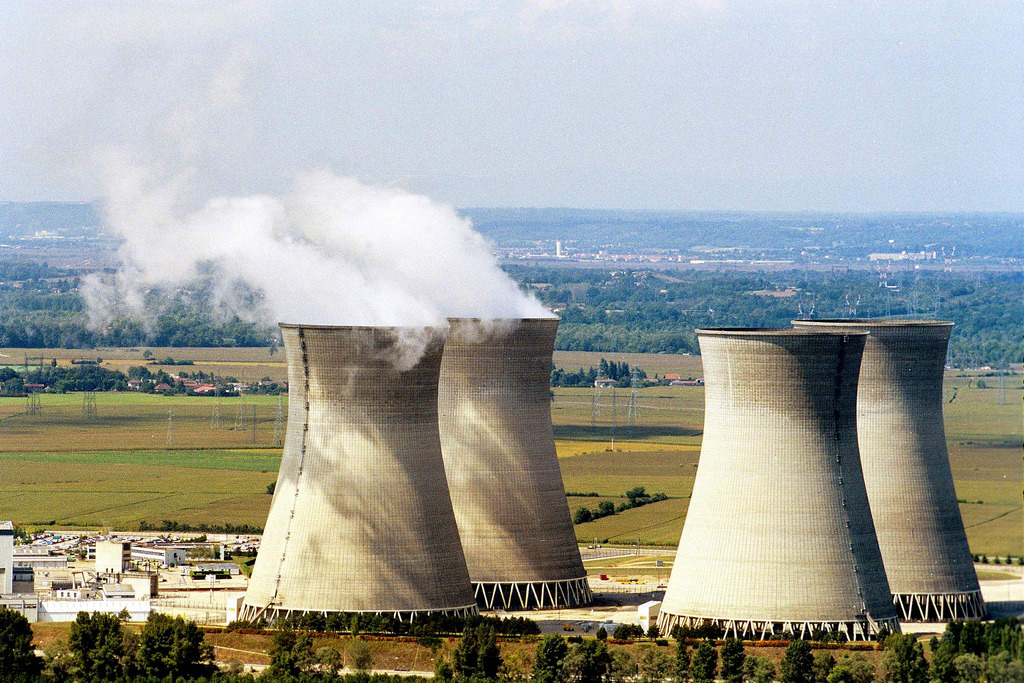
point(163, 555)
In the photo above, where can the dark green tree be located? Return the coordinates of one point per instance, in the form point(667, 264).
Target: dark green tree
point(477, 654)
point(758, 669)
point(549, 659)
point(173, 648)
point(824, 662)
point(489, 658)
point(465, 657)
point(852, 669)
point(797, 663)
point(943, 654)
point(100, 647)
point(588, 662)
point(904, 660)
point(601, 634)
point(18, 660)
point(682, 661)
point(704, 668)
point(291, 655)
point(732, 660)
point(654, 665)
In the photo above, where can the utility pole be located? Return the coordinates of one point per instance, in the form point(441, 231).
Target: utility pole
point(634, 395)
point(215, 412)
point(89, 405)
point(32, 404)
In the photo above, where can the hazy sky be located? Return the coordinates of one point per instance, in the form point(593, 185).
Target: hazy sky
point(665, 105)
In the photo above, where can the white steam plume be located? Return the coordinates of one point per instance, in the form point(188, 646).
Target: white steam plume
point(332, 251)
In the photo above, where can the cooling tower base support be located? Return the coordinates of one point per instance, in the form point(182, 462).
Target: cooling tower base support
point(271, 614)
point(752, 629)
point(939, 606)
point(533, 594)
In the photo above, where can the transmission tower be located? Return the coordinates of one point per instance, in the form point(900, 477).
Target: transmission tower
point(239, 414)
point(32, 404)
point(615, 418)
point(595, 408)
point(1001, 396)
point(254, 423)
point(278, 420)
point(215, 413)
point(89, 405)
point(634, 395)
point(170, 426)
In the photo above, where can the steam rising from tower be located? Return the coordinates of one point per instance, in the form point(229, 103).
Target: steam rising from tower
point(778, 536)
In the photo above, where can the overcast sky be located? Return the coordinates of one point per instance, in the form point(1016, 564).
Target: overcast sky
point(613, 104)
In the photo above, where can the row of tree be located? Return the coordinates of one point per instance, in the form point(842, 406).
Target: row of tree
point(101, 648)
point(619, 372)
point(635, 497)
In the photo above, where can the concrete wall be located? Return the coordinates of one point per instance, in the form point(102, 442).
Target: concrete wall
point(499, 453)
point(779, 528)
point(361, 518)
point(903, 450)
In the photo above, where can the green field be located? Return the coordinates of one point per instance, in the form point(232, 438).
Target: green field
point(208, 460)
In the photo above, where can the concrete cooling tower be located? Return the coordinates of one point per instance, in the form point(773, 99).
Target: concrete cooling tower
point(499, 453)
point(906, 468)
point(361, 519)
point(778, 537)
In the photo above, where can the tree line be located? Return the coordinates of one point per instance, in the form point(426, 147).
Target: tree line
point(101, 647)
point(635, 497)
point(629, 310)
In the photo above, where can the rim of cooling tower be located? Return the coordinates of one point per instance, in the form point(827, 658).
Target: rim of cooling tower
point(756, 332)
point(873, 322)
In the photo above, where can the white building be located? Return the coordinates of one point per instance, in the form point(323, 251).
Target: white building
point(164, 555)
point(112, 556)
point(648, 613)
point(38, 557)
point(6, 558)
point(67, 610)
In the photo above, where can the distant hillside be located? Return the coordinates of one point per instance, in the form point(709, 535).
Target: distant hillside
point(26, 218)
point(994, 235)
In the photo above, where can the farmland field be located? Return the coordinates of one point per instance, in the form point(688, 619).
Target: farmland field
point(209, 460)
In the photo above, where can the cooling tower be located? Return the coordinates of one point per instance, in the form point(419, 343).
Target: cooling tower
point(906, 468)
point(778, 537)
point(499, 453)
point(361, 519)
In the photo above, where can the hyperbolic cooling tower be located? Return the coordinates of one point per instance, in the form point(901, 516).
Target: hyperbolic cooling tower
point(499, 453)
point(778, 537)
point(361, 519)
point(906, 468)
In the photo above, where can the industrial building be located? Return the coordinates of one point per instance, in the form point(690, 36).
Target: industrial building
point(906, 468)
point(494, 409)
point(778, 538)
point(361, 519)
point(6, 558)
point(160, 555)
